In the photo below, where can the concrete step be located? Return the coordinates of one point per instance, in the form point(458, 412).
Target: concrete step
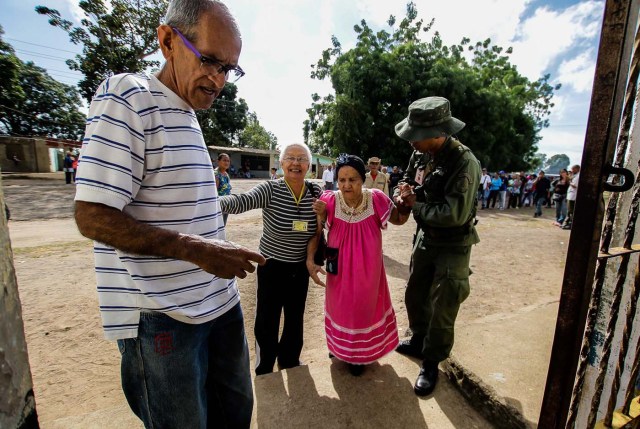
point(505, 359)
point(328, 396)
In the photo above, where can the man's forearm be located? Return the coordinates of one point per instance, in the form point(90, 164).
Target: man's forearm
point(119, 230)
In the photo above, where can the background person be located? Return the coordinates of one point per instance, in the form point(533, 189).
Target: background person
point(223, 180)
point(289, 223)
point(572, 194)
point(327, 178)
point(394, 179)
point(440, 189)
point(560, 188)
point(374, 178)
point(164, 270)
point(541, 192)
point(67, 167)
point(485, 188)
point(494, 190)
point(360, 323)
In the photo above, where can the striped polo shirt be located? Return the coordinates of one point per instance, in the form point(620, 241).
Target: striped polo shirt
point(281, 239)
point(143, 153)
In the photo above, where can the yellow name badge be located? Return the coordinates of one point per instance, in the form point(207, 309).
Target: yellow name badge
point(299, 225)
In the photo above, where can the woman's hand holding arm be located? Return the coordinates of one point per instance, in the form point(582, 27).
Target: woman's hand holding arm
point(314, 269)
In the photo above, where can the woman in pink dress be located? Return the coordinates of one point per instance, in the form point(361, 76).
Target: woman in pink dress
point(360, 323)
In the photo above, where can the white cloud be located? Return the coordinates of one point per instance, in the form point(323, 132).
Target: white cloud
point(76, 12)
point(548, 34)
point(556, 141)
point(279, 46)
point(577, 72)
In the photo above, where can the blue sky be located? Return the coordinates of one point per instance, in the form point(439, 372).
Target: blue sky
point(282, 38)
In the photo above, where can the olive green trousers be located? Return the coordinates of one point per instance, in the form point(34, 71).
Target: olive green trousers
point(438, 284)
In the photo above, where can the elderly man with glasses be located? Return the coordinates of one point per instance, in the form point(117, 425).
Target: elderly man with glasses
point(147, 195)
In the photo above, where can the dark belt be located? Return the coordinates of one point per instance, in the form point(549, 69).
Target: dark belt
point(443, 233)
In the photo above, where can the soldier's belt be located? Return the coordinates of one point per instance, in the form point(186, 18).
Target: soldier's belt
point(444, 233)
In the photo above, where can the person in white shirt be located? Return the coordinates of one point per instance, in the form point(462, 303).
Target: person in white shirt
point(146, 194)
point(327, 178)
point(485, 188)
point(572, 193)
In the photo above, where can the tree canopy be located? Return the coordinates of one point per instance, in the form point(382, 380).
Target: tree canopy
point(255, 135)
point(32, 103)
point(116, 38)
point(375, 82)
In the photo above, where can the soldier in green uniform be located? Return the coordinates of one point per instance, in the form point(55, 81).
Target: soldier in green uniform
point(439, 188)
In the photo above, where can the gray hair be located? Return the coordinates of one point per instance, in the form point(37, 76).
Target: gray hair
point(184, 15)
point(301, 145)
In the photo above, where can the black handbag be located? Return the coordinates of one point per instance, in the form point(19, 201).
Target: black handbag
point(332, 260)
point(321, 250)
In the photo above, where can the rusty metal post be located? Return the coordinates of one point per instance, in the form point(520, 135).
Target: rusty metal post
point(601, 136)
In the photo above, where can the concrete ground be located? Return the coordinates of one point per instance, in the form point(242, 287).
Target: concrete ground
point(326, 396)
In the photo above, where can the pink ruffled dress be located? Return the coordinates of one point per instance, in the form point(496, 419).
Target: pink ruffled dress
point(360, 323)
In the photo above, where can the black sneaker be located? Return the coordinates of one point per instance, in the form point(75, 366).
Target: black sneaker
point(409, 348)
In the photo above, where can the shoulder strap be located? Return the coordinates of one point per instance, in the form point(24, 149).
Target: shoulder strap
point(311, 189)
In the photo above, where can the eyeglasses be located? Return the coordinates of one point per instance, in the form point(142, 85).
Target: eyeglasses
point(212, 66)
point(300, 159)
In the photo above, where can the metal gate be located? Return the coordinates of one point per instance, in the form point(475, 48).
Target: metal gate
point(595, 358)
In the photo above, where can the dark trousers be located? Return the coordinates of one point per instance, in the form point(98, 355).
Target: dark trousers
point(570, 210)
point(281, 286)
point(438, 284)
point(493, 196)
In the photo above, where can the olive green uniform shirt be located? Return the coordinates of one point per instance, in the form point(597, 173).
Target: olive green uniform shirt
point(446, 200)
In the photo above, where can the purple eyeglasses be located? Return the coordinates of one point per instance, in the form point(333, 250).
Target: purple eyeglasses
point(212, 66)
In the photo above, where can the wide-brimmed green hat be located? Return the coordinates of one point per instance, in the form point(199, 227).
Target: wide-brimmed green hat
point(428, 118)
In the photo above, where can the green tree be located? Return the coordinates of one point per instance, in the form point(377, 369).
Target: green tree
point(223, 122)
point(256, 136)
point(10, 67)
point(118, 39)
point(375, 82)
point(556, 163)
point(32, 103)
point(115, 39)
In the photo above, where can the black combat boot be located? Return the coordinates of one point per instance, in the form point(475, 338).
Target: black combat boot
point(427, 378)
point(411, 348)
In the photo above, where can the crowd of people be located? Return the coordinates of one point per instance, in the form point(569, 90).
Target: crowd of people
point(517, 190)
point(166, 274)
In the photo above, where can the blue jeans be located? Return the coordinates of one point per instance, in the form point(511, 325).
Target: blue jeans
point(178, 375)
point(561, 210)
point(540, 201)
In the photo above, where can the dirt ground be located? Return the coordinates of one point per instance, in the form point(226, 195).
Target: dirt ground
point(519, 263)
